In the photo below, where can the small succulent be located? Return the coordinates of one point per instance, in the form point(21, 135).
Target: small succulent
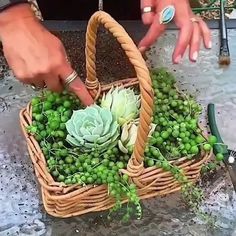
point(92, 128)
point(129, 134)
point(123, 103)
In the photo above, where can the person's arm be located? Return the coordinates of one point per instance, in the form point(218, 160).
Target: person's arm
point(36, 56)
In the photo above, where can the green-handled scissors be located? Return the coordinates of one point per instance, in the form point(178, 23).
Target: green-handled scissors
point(219, 147)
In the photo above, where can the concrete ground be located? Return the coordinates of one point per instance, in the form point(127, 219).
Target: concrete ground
point(21, 210)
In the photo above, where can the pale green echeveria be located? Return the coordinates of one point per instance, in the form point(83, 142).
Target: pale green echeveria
point(92, 128)
point(129, 134)
point(123, 103)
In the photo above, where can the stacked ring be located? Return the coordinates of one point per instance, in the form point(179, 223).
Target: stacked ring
point(70, 78)
point(194, 20)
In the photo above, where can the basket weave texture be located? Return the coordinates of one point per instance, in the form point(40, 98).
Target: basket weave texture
point(66, 201)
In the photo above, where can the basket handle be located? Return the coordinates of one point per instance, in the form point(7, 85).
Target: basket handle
point(100, 17)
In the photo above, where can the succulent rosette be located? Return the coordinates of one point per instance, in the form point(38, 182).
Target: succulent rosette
point(123, 103)
point(129, 134)
point(92, 128)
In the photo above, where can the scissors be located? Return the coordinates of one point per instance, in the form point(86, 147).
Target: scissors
point(220, 147)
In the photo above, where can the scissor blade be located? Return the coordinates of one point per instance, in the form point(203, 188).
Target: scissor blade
point(231, 167)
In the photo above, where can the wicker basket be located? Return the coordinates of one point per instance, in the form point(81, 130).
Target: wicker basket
point(66, 201)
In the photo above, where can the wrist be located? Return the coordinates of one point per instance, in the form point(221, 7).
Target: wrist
point(15, 13)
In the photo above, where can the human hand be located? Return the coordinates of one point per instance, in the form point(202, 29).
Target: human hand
point(192, 28)
point(36, 56)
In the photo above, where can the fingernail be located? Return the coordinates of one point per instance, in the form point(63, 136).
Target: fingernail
point(142, 49)
point(195, 55)
point(210, 45)
point(178, 59)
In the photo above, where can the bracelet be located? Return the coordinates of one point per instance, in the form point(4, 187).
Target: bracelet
point(4, 4)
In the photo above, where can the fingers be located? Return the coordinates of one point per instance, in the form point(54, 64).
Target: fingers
point(182, 42)
point(53, 76)
point(53, 83)
point(183, 22)
point(147, 17)
point(199, 29)
point(195, 42)
point(206, 34)
point(155, 30)
point(36, 81)
point(76, 86)
point(79, 88)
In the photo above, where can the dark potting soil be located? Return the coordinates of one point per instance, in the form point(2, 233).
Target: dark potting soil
point(111, 62)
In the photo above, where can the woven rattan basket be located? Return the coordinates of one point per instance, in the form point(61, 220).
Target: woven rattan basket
point(66, 201)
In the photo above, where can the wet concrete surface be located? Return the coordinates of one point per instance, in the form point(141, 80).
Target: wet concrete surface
point(21, 210)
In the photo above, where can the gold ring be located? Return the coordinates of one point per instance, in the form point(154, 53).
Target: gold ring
point(147, 10)
point(194, 20)
point(71, 78)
